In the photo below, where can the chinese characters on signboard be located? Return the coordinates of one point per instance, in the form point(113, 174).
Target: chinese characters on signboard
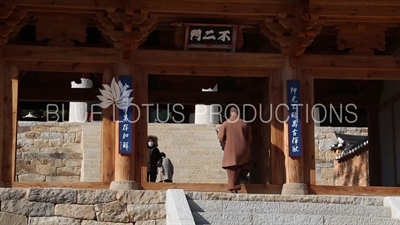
point(293, 95)
point(210, 36)
point(125, 124)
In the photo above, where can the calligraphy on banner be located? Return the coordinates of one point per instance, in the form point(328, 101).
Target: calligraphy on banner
point(293, 95)
point(210, 36)
point(125, 121)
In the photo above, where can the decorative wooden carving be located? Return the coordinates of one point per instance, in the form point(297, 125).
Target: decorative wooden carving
point(291, 33)
point(362, 38)
point(126, 30)
point(61, 29)
point(14, 19)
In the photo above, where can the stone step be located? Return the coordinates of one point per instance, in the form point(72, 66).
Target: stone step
point(289, 208)
point(240, 218)
point(328, 199)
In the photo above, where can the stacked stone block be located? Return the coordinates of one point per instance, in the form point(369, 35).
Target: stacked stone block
point(54, 206)
point(48, 152)
point(194, 150)
point(72, 152)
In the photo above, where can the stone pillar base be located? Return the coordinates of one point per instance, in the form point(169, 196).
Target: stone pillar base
point(124, 185)
point(295, 189)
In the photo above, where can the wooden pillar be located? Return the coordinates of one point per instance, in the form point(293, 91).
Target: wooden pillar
point(265, 115)
point(9, 102)
point(124, 164)
point(294, 165)
point(108, 127)
point(278, 172)
point(140, 85)
point(308, 129)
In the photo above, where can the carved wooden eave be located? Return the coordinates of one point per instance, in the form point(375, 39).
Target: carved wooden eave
point(13, 19)
point(291, 33)
point(61, 29)
point(125, 28)
point(361, 38)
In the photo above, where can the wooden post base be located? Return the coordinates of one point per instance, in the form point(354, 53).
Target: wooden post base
point(2, 184)
point(124, 185)
point(294, 189)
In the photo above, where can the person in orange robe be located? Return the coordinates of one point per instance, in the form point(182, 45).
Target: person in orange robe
point(236, 135)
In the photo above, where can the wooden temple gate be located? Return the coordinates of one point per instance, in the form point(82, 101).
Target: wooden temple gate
point(290, 28)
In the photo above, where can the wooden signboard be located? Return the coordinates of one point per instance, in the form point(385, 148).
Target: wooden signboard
point(210, 36)
point(125, 122)
point(294, 123)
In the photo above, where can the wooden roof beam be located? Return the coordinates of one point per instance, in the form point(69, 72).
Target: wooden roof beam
point(355, 11)
point(351, 62)
point(42, 94)
point(216, 71)
point(59, 54)
point(70, 4)
point(207, 59)
point(244, 8)
point(61, 67)
point(354, 74)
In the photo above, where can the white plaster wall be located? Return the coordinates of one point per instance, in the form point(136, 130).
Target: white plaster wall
point(386, 134)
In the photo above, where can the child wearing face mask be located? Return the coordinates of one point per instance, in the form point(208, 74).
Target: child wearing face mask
point(152, 158)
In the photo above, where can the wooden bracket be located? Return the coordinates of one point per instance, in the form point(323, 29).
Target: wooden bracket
point(14, 19)
point(291, 33)
point(126, 30)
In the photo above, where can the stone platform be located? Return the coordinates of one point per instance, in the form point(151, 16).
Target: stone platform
point(59, 206)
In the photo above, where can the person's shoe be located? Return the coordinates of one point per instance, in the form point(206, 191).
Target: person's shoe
point(234, 191)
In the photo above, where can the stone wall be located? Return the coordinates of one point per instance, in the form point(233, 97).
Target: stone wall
point(71, 152)
point(48, 152)
point(54, 206)
point(331, 172)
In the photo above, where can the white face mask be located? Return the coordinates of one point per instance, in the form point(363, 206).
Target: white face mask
point(150, 144)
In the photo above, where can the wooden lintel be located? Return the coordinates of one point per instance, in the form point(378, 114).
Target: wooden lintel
point(355, 75)
point(360, 101)
point(209, 71)
point(70, 4)
point(61, 67)
point(356, 11)
point(59, 54)
point(211, 59)
point(355, 2)
point(38, 94)
point(250, 8)
point(351, 62)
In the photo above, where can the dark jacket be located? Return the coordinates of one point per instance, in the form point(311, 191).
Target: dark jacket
point(153, 156)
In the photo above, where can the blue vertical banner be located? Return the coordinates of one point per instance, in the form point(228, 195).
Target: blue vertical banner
point(294, 123)
point(125, 119)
